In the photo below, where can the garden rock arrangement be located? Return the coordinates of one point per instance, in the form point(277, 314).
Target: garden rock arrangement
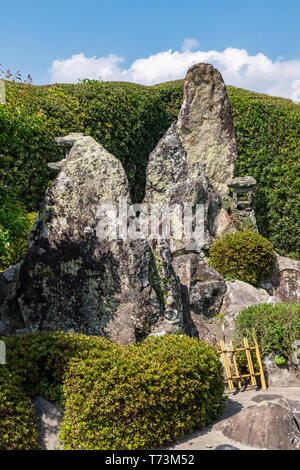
point(72, 280)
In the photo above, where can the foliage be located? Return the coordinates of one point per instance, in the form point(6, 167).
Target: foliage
point(143, 395)
point(129, 119)
point(15, 225)
point(276, 327)
point(115, 397)
point(246, 256)
point(268, 132)
point(41, 359)
point(18, 424)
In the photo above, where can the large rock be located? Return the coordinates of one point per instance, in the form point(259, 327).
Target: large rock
point(195, 159)
point(240, 295)
point(205, 126)
point(75, 279)
point(280, 375)
point(267, 425)
point(284, 282)
point(10, 317)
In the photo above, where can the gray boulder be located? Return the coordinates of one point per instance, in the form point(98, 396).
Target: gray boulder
point(268, 425)
point(76, 276)
point(240, 295)
point(10, 316)
point(205, 126)
point(284, 282)
point(280, 375)
point(195, 159)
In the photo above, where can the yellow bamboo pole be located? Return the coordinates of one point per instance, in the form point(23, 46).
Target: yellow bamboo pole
point(235, 365)
point(226, 365)
point(250, 363)
point(262, 375)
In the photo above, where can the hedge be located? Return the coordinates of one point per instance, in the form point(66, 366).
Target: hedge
point(114, 397)
point(41, 359)
point(142, 396)
point(18, 424)
point(129, 119)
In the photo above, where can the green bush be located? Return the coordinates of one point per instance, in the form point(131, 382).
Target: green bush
point(41, 359)
point(246, 256)
point(268, 131)
point(115, 397)
point(141, 395)
point(18, 424)
point(276, 327)
point(15, 226)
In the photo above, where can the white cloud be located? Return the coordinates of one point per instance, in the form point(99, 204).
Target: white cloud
point(254, 72)
point(189, 44)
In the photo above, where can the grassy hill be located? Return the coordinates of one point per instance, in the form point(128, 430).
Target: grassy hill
point(128, 120)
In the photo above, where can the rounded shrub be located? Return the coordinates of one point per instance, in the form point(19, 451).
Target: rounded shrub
point(141, 395)
point(276, 327)
point(18, 424)
point(244, 255)
point(41, 359)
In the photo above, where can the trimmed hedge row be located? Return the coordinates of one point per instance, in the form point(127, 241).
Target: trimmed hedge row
point(142, 396)
point(115, 397)
point(129, 119)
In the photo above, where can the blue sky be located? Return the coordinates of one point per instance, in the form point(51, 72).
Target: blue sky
point(66, 40)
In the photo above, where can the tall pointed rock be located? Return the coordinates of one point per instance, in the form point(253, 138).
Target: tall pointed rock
point(205, 126)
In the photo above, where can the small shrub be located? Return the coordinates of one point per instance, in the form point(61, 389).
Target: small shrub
point(246, 256)
point(41, 359)
point(141, 395)
point(18, 424)
point(276, 327)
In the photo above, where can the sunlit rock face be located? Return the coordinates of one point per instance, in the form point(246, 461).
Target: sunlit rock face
point(71, 278)
point(195, 159)
point(205, 126)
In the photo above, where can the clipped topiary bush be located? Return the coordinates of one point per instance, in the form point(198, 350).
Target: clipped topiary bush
point(245, 255)
point(18, 424)
point(41, 359)
point(140, 396)
point(276, 327)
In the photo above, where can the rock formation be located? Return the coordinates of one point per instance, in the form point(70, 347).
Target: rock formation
point(83, 273)
point(73, 278)
point(205, 126)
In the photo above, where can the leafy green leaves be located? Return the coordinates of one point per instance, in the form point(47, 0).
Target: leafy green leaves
point(246, 256)
point(141, 395)
point(276, 327)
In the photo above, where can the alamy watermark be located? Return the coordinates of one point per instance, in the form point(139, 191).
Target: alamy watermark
point(138, 221)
